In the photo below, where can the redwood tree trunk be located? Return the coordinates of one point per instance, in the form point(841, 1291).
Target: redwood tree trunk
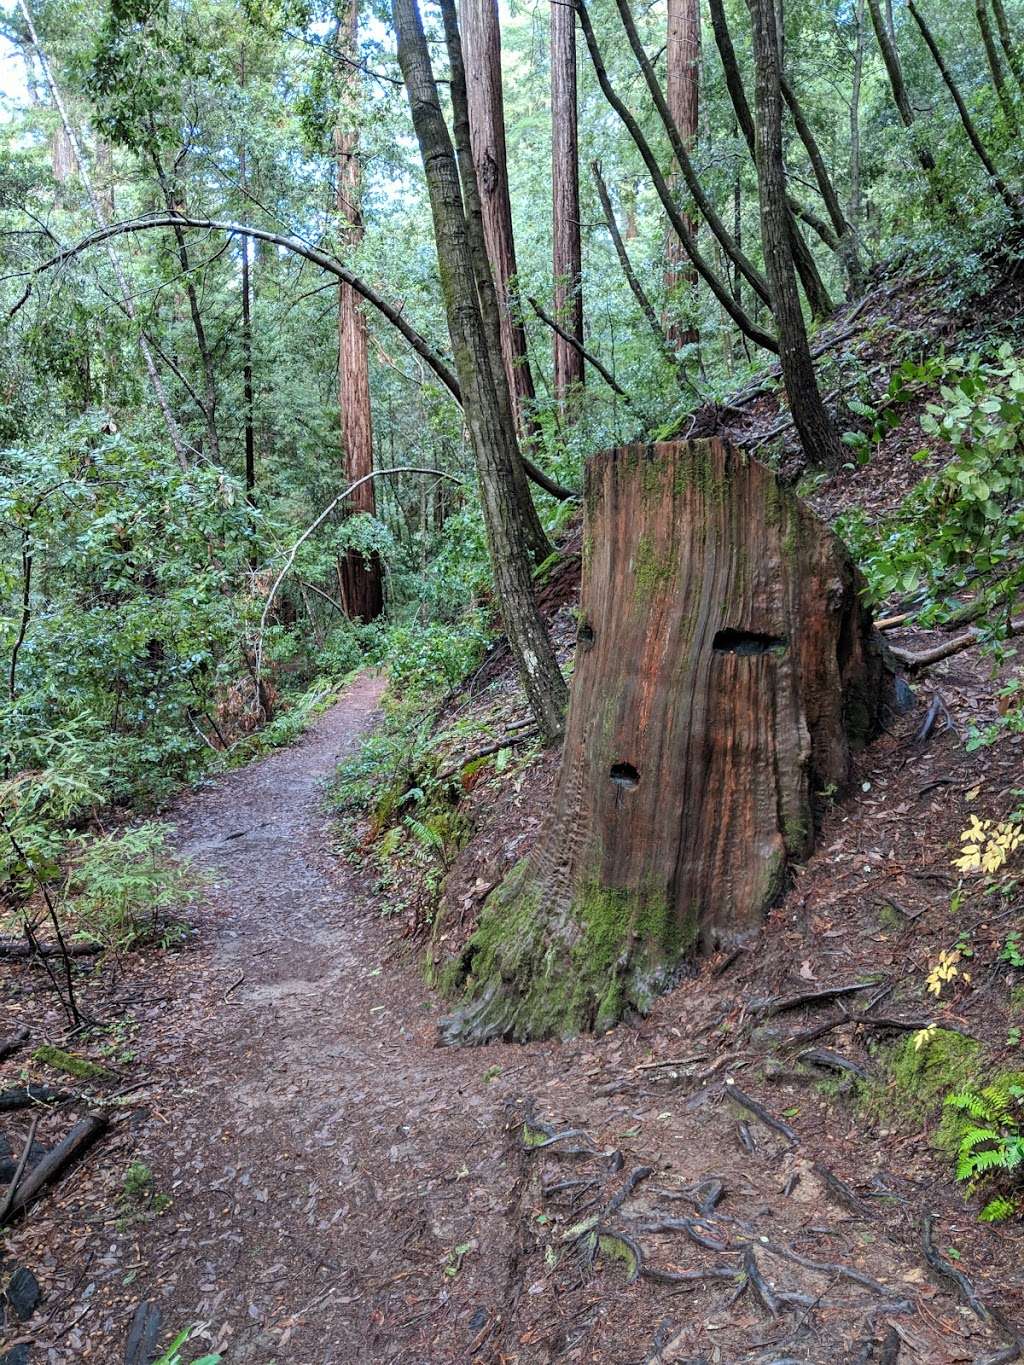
point(481, 36)
point(565, 186)
point(726, 666)
point(361, 576)
point(682, 90)
point(816, 429)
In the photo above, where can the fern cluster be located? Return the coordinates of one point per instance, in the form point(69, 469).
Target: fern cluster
point(991, 1146)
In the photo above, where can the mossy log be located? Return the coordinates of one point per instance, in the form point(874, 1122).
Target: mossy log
point(726, 668)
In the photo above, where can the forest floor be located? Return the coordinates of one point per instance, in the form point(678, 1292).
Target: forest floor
point(340, 1189)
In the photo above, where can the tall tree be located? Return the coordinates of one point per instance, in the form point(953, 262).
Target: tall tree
point(481, 37)
point(1009, 43)
point(810, 278)
point(682, 90)
point(815, 426)
point(472, 311)
point(995, 65)
point(897, 84)
point(567, 263)
point(853, 207)
point(361, 574)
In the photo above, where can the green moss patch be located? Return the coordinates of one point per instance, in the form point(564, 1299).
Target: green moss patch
point(68, 1062)
point(916, 1074)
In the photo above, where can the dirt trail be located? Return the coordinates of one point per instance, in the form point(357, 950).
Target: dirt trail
point(345, 1191)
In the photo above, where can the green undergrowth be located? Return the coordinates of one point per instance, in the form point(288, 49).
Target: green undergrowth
point(913, 1076)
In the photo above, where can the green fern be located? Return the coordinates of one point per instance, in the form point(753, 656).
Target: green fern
point(993, 1145)
point(998, 1210)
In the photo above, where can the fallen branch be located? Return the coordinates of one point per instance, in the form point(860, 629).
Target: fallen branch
point(56, 1162)
point(914, 661)
point(822, 997)
point(14, 1043)
point(508, 742)
point(25, 1095)
point(19, 1171)
point(18, 948)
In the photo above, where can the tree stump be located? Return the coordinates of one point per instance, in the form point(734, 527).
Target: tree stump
point(726, 668)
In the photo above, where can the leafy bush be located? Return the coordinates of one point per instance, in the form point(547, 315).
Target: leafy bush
point(961, 527)
point(123, 888)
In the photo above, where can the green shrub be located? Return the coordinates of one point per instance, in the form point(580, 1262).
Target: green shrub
point(125, 889)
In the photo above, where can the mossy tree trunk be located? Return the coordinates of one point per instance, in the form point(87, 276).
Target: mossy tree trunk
point(726, 668)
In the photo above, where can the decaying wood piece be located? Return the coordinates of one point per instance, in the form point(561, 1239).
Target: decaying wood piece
point(726, 668)
point(55, 1163)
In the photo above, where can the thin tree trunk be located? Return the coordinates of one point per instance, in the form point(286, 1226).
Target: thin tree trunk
point(846, 239)
point(362, 575)
point(706, 271)
point(680, 150)
point(247, 388)
point(666, 346)
point(815, 426)
point(174, 203)
point(481, 36)
point(887, 47)
point(853, 211)
point(970, 129)
point(96, 204)
point(682, 92)
point(1008, 42)
point(479, 364)
point(995, 66)
point(567, 264)
point(814, 289)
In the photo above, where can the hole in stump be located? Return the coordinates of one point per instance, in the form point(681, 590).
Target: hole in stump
point(624, 775)
point(585, 634)
point(732, 641)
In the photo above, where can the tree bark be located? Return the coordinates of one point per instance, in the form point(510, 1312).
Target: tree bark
point(478, 362)
point(682, 92)
point(995, 66)
point(567, 262)
point(815, 426)
point(481, 36)
point(486, 295)
point(726, 668)
point(360, 575)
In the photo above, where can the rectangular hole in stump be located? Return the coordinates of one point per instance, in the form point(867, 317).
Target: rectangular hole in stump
point(732, 641)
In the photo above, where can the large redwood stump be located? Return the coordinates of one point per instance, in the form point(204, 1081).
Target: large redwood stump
point(726, 667)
